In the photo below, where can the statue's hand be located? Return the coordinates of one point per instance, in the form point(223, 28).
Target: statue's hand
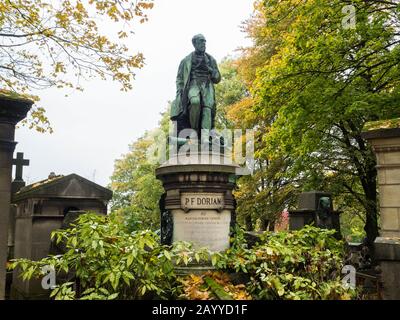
point(208, 64)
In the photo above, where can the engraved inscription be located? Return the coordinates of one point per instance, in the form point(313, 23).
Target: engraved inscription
point(202, 201)
point(204, 228)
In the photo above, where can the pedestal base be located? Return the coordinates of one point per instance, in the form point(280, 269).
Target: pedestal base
point(198, 205)
point(196, 269)
point(298, 219)
point(387, 253)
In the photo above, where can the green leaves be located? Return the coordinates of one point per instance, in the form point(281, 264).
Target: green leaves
point(290, 265)
point(314, 84)
point(108, 263)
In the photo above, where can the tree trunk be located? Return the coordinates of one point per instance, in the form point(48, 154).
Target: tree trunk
point(271, 226)
point(249, 223)
point(264, 224)
point(366, 170)
point(371, 205)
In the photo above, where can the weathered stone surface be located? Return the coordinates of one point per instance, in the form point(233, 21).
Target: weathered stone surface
point(384, 137)
point(390, 279)
point(390, 219)
point(388, 248)
point(203, 228)
point(41, 209)
point(199, 197)
point(389, 195)
point(198, 205)
point(12, 110)
point(311, 212)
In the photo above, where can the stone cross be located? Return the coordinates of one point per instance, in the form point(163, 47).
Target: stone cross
point(19, 163)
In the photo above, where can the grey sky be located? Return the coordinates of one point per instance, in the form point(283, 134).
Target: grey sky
point(95, 127)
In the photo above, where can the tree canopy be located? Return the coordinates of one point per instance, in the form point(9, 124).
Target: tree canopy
point(57, 43)
point(315, 82)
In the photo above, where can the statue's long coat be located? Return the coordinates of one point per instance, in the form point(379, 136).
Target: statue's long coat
point(180, 104)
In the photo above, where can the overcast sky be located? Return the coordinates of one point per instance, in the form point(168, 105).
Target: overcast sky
point(95, 127)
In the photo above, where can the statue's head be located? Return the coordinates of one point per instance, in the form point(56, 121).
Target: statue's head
point(199, 43)
point(325, 202)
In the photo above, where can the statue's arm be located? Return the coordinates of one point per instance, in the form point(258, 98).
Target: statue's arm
point(214, 71)
point(179, 79)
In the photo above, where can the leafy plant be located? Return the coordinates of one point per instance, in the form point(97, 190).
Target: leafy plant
point(212, 286)
point(103, 261)
point(304, 264)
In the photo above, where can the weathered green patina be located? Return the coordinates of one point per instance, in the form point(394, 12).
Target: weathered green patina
point(194, 106)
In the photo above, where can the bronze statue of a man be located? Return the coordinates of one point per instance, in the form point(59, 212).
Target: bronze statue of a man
point(194, 106)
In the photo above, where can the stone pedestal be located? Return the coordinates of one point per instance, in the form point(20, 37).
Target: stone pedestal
point(198, 205)
point(384, 136)
point(12, 110)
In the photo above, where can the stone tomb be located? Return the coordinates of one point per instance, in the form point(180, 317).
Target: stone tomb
point(41, 209)
point(315, 208)
point(198, 205)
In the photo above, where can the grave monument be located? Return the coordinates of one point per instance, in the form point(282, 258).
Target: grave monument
point(384, 137)
point(198, 205)
point(13, 109)
point(19, 162)
point(43, 207)
point(315, 208)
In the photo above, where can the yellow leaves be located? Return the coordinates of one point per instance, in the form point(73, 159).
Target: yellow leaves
point(145, 5)
point(38, 120)
point(195, 287)
point(122, 34)
point(80, 12)
point(196, 279)
point(113, 12)
point(80, 7)
point(101, 41)
point(48, 32)
point(241, 294)
point(59, 67)
point(62, 19)
point(346, 296)
point(241, 113)
point(68, 41)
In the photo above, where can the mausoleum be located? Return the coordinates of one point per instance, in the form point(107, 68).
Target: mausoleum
point(40, 209)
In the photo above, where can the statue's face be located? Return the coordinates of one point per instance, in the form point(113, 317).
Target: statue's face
point(325, 202)
point(200, 45)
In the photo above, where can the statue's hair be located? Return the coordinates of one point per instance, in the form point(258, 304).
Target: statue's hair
point(197, 37)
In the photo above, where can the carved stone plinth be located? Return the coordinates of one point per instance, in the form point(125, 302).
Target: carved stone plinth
point(384, 136)
point(12, 110)
point(198, 205)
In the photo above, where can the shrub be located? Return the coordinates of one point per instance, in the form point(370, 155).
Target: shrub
point(109, 263)
point(304, 264)
point(104, 261)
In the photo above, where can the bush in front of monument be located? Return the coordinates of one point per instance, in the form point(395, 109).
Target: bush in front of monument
point(299, 265)
point(101, 260)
